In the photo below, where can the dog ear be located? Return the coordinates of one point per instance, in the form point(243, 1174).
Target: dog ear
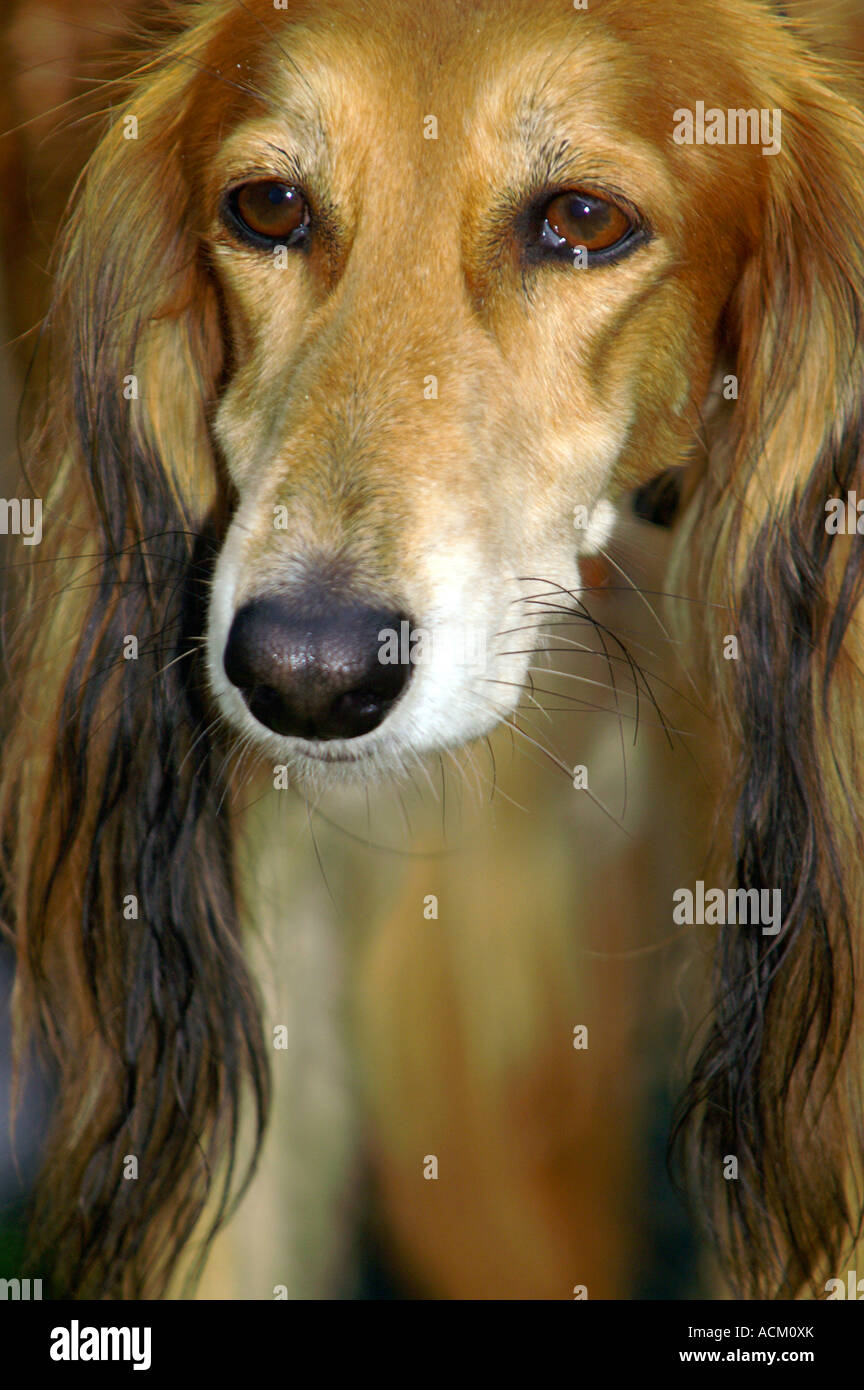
point(117, 853)
point(775, 1083)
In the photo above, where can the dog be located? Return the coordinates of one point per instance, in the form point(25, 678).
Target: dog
point(364, 322)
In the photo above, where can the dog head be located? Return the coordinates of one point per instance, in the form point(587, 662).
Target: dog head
point(463, 282)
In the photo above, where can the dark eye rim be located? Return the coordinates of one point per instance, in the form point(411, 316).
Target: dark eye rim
point(233, 220)
point(537, 251)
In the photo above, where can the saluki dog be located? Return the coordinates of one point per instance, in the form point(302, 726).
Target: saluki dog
point(366, 318)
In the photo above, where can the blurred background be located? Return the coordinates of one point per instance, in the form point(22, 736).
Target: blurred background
point(441, 941)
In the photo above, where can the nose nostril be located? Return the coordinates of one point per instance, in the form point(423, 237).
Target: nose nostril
point(364, 707)
point(315, 677)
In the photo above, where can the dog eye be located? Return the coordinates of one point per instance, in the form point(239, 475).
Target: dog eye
point(269, 213)
point(576, 219)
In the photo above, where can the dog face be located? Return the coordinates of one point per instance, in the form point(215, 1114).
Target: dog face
point(429, 376)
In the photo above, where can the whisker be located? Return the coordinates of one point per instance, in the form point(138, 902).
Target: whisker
point(568, 675)
point(562, 766)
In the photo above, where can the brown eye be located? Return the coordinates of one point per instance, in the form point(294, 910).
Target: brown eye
point(269, 212)
point(583, 219)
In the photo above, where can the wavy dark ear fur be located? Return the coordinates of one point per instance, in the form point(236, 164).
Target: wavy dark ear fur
point(117, 848)
point(776, 1083)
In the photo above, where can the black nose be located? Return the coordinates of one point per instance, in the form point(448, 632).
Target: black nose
point(316, 675)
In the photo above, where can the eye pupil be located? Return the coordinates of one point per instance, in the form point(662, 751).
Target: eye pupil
point(272, 211)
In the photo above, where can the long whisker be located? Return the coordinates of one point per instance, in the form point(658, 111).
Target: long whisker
point(556, 651)
point(562, 766)
point(636, 669)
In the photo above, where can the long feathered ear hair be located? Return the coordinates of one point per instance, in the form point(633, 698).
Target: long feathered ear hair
point(776, 1082)
point(117, 861)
